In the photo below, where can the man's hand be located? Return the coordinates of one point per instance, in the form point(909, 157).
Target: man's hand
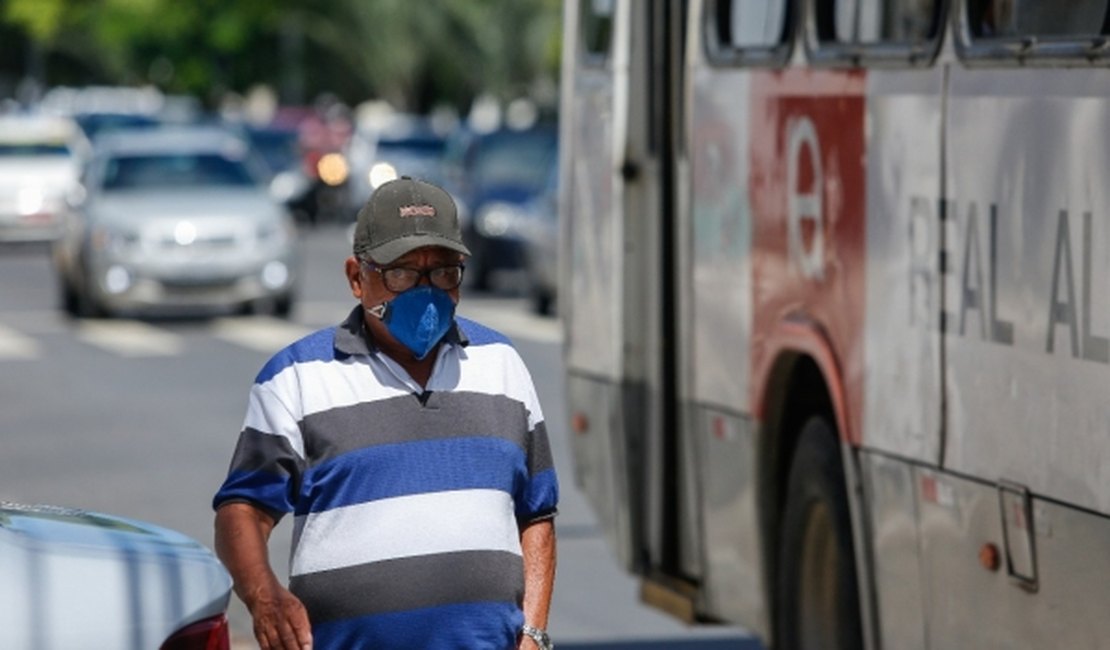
point(280, 620)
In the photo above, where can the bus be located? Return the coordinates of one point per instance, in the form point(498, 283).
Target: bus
point(835, 292)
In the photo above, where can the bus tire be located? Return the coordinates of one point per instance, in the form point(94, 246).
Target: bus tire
point(817, 594)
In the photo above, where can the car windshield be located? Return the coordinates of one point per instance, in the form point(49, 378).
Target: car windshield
point(522, 159)
point(13, 149)
point(279, 149)
point(181, 170)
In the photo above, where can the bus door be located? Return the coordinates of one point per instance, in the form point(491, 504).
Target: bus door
point(617, 188)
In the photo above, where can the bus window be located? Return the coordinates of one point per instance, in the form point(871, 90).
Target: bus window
point(883, 32)
point(875, 22)
point(747, 31)
point(596, 20)
point(1051, 19)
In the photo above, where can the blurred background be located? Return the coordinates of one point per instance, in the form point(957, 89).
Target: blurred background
point(178, 182)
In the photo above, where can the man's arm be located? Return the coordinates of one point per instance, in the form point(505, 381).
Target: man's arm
point(280, 620)
point(537, 541)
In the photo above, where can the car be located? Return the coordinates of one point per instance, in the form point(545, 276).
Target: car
point(40, 160)
point(81, 579)
point(500, 172)
point(539, 230)
point(279, 147)
point(399, 145)
point(175, 219)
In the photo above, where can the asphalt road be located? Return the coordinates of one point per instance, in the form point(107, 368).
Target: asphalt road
point(139, 418)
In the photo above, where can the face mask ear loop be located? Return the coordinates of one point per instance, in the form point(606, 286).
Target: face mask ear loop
point(378, 311)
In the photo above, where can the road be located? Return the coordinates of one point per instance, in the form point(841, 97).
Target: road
point(138, 418)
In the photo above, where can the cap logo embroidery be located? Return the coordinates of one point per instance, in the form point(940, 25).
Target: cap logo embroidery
point(418, 211)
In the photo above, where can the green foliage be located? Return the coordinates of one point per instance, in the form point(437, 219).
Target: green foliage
point(415, 53)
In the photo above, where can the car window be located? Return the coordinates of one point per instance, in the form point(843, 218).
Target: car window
point(522, 159)
point(185, 170)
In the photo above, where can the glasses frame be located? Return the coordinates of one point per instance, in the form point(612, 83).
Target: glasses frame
point(421, 274)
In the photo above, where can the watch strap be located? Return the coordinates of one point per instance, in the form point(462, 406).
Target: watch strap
point(539, 636)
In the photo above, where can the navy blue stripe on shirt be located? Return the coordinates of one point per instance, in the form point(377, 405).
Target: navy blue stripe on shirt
point(418, 467)
point(480, 334)
point(266, 489)
point(468, 626)
point(318, 346)
point(542, 491)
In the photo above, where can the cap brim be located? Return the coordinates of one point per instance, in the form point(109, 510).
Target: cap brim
point(391, 250)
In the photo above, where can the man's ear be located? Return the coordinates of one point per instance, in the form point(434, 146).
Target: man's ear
point(354, 276)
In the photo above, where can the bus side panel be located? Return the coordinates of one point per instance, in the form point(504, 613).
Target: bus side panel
point(733, 587)
point(972, 607)
point(808, 246)
point(1028, 236)
point(903, 342)
point(889, 489)
point(715, 324)
point(718, 319)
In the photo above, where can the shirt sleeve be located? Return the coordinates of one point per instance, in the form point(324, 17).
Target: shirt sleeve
point(538, 497)
point(268, 461)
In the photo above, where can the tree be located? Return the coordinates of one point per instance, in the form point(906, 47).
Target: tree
point(415, 54)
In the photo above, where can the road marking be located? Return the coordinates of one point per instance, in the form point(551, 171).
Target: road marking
point(515, 324)
point(14, 345)
point(258, 333)
point(130, 338)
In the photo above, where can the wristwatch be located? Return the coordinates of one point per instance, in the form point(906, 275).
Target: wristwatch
point(539, 636)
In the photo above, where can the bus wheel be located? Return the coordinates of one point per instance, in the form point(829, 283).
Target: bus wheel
point(818, 598)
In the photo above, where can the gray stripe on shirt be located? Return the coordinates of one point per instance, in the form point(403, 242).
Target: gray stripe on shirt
point(333, 432)
point(411, 583)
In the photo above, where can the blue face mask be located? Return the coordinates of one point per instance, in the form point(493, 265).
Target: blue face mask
point(418, 318)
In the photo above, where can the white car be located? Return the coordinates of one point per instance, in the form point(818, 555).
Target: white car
point(173, 219)
point(40, 159)
point(78, 579)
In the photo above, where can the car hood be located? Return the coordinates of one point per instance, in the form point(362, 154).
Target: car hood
point(500, 193)
point(223, 212)
point(37, 171)
point(74, 578)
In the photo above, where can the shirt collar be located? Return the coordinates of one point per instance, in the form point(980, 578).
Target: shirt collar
point(352, 337)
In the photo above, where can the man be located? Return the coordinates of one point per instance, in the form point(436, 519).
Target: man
point(410, 447)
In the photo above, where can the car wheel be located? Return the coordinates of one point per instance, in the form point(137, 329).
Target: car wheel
point(818, 598)
point(88, 306)
point(542, 301)
point(71, 301)
point(282, 306)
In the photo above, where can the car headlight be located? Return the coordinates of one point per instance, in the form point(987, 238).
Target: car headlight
point(496, 219)
point(333, 169)
point(31, 200)
point(381, 173)
point(112, 241)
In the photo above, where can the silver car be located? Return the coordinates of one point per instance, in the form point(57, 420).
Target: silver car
point(177, 218)
point(78, 579)
point(40, 158)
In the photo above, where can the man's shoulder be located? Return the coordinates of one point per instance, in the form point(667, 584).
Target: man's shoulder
point(478, 334)
point(317, 346)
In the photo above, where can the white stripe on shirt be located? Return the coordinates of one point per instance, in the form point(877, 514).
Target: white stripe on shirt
point(408, 526)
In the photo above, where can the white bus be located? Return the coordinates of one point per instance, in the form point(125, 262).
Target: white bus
point(835, 284)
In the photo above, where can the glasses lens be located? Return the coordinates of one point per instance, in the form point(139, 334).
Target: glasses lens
point(398, 279)
point(447, 277)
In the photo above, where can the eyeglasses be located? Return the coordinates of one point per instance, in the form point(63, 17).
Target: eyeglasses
point(400, 278)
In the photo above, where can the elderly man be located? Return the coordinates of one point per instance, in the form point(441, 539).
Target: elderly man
point(410, 446)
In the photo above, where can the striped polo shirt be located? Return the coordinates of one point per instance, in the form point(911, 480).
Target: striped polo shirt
point(408, 502)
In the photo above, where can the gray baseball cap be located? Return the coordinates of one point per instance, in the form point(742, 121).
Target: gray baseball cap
point(403, 215)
